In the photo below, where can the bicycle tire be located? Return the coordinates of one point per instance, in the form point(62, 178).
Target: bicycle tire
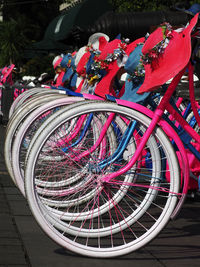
point(154, 200)
point(16, 121)
point(26, 129)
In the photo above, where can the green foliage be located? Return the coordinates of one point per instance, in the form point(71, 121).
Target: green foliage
point(38, 65)
point(146, 5)
point(16, 34)
point(12, 42)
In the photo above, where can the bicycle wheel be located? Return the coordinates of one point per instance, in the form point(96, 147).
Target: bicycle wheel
point(30, 96)
point(22, 98)
point(16, 121)
point(27, 130)
point(50, 158)
point(123, 214)
point(55, 187)
point(108, 143)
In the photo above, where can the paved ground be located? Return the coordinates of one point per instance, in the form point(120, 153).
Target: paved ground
point(22, 243)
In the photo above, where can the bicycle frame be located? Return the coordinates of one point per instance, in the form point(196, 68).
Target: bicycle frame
point(156, 117)
point(129, 188)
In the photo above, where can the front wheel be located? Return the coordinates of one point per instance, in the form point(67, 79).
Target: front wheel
point(121, 215)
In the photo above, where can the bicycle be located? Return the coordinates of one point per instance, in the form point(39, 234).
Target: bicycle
point(131, 197)
point(22, 112)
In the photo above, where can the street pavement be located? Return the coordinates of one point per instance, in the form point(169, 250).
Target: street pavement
point(23, 243)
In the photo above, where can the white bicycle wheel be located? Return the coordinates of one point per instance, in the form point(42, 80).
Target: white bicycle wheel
point(26, 131)
point(32, 96)
point(136, 209)
point(16, 121)
point(23, 96)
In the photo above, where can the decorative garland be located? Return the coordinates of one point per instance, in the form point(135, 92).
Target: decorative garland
point(99, 66)
point(119, 52)
point(153, 54)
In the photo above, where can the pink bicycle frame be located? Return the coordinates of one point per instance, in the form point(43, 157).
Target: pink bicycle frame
point(156, 118)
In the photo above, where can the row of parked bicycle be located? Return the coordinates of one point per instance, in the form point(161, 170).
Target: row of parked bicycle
point(106, 154)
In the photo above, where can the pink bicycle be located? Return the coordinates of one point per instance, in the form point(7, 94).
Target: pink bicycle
point(122, 198)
